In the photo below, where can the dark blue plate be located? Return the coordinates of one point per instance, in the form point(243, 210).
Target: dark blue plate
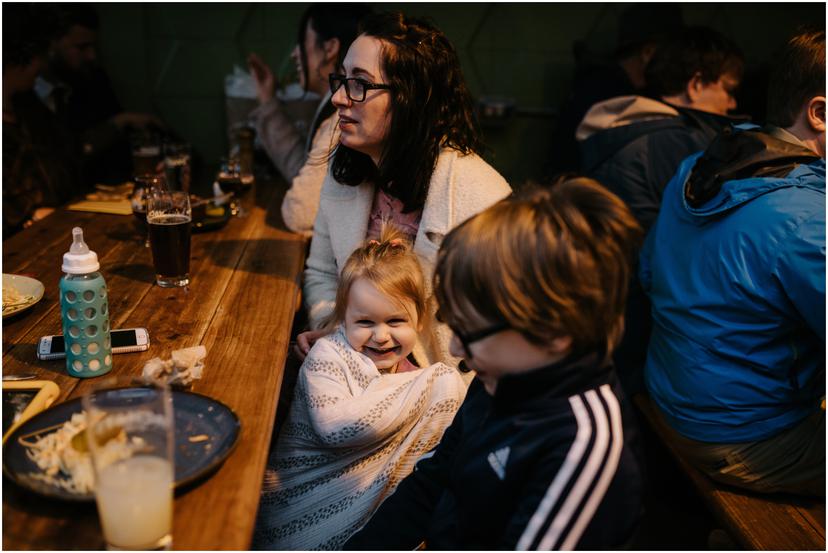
point(195, 415)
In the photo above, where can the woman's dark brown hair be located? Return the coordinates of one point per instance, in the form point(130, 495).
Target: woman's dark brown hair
point(431, 108)
point(331, 20)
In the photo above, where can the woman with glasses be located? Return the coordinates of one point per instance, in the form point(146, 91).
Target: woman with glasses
point(408, 153)
point(325, 33)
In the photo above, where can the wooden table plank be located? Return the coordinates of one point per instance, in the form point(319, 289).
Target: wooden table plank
point(245, 284)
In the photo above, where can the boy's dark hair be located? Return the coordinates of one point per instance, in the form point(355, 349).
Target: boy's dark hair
point(25, 36)
point(431, 108)
point(548, 262)
point(797, 76)
point(691, 51)
point(331, 20)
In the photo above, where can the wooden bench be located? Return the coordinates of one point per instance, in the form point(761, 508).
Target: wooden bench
point(758, 522)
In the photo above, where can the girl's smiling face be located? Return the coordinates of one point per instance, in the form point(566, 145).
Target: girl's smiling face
point(380, 327)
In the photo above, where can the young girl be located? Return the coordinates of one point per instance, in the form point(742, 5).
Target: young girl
point(362, 414)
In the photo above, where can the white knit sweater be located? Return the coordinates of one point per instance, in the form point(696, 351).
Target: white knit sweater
point(351, 436)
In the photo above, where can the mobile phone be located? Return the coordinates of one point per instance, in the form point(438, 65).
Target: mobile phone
point(123, 341)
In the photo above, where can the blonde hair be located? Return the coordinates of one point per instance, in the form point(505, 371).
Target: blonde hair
point(391, 266)
point(549, 263)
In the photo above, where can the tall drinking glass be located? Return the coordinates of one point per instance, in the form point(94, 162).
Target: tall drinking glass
point(177, 167)
point(146, 153)
point(130, 436)
point(229, 179)
point(169, 216)
point(144, 186)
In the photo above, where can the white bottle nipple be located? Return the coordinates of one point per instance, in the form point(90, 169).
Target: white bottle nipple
point(78, 246)
point(79, 260)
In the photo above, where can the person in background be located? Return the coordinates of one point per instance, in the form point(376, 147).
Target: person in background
point(407, 153)
point(39, 172)
point(325, 33)
point(543, 453)
point(634, 144)
point(735, 269)
point(641, 27)
point(75, 87)
point(362, 414)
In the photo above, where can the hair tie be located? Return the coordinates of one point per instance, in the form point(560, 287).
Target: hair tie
point(396, 242)
point(373, 243)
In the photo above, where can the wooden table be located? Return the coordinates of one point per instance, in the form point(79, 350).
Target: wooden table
point(245, 283)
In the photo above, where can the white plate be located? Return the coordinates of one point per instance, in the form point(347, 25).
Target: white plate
point(25, 286)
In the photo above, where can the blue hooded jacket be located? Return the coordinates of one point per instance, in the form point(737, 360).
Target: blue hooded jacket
point(735, 269)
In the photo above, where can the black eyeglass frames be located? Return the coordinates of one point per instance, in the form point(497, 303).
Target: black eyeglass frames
point(355, 87)
point(466, 340)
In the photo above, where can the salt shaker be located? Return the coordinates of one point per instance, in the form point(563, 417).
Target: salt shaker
point(84, 311)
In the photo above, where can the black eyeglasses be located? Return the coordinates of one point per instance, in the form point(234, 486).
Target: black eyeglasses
point(466, 340)
point(355, 88)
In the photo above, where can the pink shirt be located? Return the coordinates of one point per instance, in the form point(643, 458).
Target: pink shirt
point(388, 208)
point(405, 366)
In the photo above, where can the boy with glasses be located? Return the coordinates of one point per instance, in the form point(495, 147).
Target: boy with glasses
point(540, 454)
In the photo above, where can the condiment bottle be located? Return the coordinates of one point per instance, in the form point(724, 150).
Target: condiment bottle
point(84, 311)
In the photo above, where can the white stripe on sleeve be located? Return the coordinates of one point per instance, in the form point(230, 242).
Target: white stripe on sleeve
point(608, 471)
point(573, 458)
point(585, 478)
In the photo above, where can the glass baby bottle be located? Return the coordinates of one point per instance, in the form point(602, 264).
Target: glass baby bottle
point(84, 311)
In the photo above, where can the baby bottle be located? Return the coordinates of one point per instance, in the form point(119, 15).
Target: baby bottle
point(84, 311)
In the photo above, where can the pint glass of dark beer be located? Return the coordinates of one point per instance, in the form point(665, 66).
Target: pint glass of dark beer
point(168, 218)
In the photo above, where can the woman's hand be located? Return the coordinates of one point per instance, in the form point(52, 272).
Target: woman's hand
point(305, 341)
point(265, 81)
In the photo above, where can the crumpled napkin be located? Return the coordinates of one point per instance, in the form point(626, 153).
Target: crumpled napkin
point(182, 368)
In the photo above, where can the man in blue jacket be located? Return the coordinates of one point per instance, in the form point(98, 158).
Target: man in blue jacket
point(735, 269)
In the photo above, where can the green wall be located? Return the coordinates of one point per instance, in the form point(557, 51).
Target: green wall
point(172, 58)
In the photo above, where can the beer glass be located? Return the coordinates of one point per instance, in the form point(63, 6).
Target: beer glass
point(130, 437)
point(144, 184)
point(177, 167)
point(146, 154)
point(168, 217)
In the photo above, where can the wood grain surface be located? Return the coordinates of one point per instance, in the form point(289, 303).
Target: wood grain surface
point(244, 293)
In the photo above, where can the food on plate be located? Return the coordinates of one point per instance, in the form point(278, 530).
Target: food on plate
point(63, 456)
point(13, 298)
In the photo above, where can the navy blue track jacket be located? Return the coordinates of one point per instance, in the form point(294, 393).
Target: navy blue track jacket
point(550, 462)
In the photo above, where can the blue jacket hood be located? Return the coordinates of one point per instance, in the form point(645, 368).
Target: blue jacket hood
point(742, 164)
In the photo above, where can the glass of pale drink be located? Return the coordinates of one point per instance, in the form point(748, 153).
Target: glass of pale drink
point(130, 437)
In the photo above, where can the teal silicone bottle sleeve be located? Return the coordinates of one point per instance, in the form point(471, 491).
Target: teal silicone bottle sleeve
point(85, 318)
